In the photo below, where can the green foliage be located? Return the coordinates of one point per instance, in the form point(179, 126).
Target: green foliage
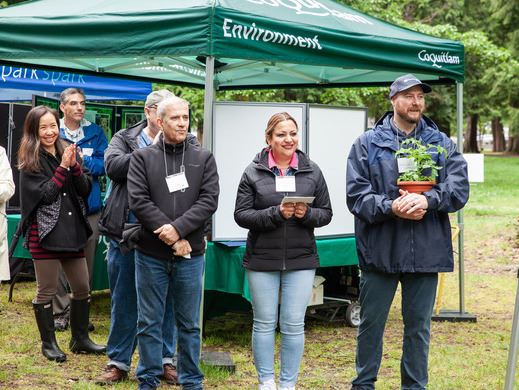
point(425, 167)
point(504, 22)
point(6, 3)
point(387, 10)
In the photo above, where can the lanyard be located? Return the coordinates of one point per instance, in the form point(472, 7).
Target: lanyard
point(182, 168)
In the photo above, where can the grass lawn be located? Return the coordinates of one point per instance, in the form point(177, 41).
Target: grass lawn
point(462, 356)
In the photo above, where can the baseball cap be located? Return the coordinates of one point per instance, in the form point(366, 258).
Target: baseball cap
point(405, 82)
point(154, 98)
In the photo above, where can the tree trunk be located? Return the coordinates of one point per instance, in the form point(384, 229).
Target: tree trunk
point(471, 134)
point(498, 136)
point(513, 144)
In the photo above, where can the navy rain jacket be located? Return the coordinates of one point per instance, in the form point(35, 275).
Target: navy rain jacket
point(386, 243)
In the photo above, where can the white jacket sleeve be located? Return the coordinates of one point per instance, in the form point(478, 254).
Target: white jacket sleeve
point(6, 177)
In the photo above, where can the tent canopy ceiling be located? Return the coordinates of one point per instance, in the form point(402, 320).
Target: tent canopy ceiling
point(268, 43)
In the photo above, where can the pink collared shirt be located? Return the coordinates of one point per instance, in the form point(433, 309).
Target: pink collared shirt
point(272, 163)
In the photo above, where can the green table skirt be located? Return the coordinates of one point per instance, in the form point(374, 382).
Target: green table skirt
point(224, 271)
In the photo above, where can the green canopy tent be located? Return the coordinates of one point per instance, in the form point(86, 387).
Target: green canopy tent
point(225, 44)
point(228, 44)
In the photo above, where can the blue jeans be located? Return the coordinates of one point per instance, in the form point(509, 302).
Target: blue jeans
point(122, 339)
point(162, 286)
point(265, 288)
point(377, 291)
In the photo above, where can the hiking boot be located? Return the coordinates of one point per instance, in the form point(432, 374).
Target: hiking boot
point(112, 375)
point(170, 374)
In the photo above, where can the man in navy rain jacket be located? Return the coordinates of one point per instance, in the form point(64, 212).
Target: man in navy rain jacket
point(401, 237)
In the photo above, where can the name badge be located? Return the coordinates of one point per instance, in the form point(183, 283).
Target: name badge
point(87, 151)
point(405, 164)
point(285, 184)
point(177, 182)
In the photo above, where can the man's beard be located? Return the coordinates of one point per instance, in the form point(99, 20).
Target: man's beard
point(409, 119)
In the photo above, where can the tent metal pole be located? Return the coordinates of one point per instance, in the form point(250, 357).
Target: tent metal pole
point(222, 360)
point(207, 141)
point(461, 252)
point(461, 315)
point(514, 345)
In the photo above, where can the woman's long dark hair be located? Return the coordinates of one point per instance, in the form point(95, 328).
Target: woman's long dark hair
point(29, 150)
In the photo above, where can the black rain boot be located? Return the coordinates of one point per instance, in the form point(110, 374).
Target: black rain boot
point(80, 342)
point(45, 321)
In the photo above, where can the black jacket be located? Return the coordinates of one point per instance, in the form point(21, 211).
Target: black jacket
point(386, 243)
point(117, 163)
point(155, 206)
point(274, 243)
point(71, 229)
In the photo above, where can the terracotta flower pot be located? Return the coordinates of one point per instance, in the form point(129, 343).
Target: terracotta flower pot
point(416, 187)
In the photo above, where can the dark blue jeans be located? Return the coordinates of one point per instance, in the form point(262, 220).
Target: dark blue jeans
point(122, 339)
point(377, 291)
point(181, 281)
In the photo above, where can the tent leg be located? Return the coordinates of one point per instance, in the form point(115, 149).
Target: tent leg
point(514, 345)
point(461, 315)
point(222, 360)
point(207, 141)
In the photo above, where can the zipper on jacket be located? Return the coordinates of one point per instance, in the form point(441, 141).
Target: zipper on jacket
point(174, 170)
point(263, 167)
point(285, 244)
point(412, 247)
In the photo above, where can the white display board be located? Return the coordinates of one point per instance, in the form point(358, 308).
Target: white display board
point(238, 135)
point(331, 133)
point(475, 166)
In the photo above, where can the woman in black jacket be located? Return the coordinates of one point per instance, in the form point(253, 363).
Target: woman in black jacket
point(281, 255)
point(54, 188)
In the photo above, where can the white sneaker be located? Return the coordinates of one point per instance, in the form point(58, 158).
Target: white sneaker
point(268, 385)
point(288, 388)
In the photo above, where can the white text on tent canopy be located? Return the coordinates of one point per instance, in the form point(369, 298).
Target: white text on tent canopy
point(434, 58)
point(311, 7)
point(235, 30)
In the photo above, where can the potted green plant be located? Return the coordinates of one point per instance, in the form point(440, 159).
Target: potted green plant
point(421, 172)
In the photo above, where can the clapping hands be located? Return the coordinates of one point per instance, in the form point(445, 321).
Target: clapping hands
point(68, 159)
